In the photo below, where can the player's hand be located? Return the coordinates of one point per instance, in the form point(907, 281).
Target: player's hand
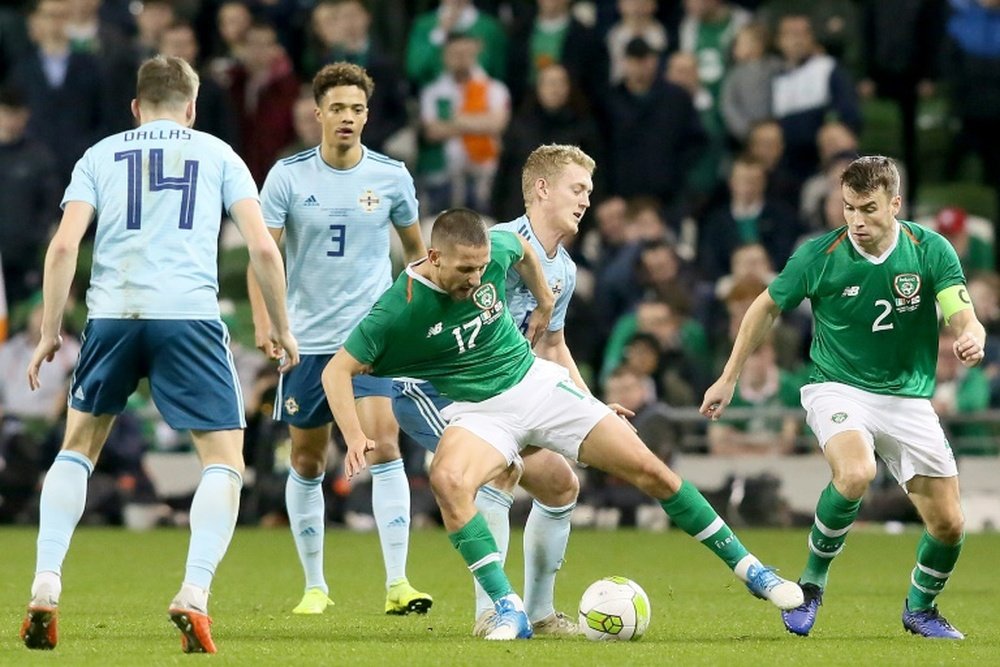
point(354, 462)
point(538, 323)
point(44, 351)
point(264, 342)
point(624, 413)
point(968, 350)
point(717, 398)
point(288, 349)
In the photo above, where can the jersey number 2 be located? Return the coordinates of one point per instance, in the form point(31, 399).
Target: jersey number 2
point(187, 184)
point(886, 310)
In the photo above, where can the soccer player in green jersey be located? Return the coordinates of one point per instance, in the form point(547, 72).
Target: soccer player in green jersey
point(445, 320)
point(873, 286)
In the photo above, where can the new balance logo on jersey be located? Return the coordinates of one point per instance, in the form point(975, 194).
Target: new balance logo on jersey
point(310, 201)
point(851, 291)
point(79, 395)
point(435, 330)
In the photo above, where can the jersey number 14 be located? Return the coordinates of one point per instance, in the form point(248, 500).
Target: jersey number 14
point(187, 184)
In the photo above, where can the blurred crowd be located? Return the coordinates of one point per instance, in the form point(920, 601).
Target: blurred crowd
point(720, 129)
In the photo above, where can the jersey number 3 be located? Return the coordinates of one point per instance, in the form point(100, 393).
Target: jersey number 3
point(187, 184)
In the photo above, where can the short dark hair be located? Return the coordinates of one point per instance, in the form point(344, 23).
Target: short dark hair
point(12, 98)
point(342, 74)
point(166, 80)
point(871, 172)
point(459, 226)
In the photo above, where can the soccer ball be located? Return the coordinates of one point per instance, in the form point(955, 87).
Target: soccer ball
point(614, 608)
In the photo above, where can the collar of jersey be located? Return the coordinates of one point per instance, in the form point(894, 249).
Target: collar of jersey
point(419, 278)
point(884, 256)
point(319, 154)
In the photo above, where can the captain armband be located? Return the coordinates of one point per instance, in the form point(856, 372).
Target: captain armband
point(953, 299)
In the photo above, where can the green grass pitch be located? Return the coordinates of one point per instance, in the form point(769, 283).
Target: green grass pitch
point(118, 584)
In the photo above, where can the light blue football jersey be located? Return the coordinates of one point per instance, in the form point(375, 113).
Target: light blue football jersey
point(560, 273)
point(159, 191)
point(336, 224)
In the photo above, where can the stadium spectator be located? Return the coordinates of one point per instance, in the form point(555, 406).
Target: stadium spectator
point(837, 147)
point(13, 38)
point(959, 390)
point(750, 216)
point(707, 31)
point(972, 57)
point(652, 129)
point(215, 111)
point(901, 47)
point(263, 90)
point(745, 98)
point(308, 131)
point(704, 174)
point(601, 245)
point(554, 36)
point(764, 386)
point(64, 89)
point(463, 114)
point(154, 18)
point(552, 115)
point(233, 19)
point(637, 20)
point(810, 89)
point(974, 251)
point(425, 59)
point(342, 30)
point(766, 143)
point(29, 198)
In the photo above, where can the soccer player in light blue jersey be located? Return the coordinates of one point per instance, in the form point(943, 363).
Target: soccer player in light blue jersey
point(335, 205)
point(556, 181)
point(157, 193)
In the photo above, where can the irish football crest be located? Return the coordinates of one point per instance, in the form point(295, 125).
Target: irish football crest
point(906, 285)
point(369, 201)
point(485, 296)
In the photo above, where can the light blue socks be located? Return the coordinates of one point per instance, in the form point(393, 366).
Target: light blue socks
point(391, 507)
point(546, 535)
point(213, 519)
point(307, 519)
point(64, 495)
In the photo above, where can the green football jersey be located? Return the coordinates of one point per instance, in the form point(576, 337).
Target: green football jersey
point(876, 323)
point(470, 350)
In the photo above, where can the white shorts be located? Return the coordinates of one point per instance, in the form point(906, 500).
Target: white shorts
point(904, 432)
point(545, 409)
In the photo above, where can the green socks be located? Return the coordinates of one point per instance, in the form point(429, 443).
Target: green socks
point(935, 562)
point(835, 515)
point(477, 546)
point(689, 511)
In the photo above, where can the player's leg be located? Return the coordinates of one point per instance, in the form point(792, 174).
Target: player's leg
point(938, 501)
point(193, 382)
point(107, 372)
point(493, 501)
point(390, 493)
point(464, 461)
point(306, 509)
point(550, 479)
point(301, 404)
point(612, 446)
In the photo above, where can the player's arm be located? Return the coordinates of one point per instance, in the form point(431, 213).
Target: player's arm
point(552, 346)
point(413, 242)
point(756, 323)
point(269, 270)
point(530, 270)
point(60, 267)
point(337, 376)
point(970, 335)
point(258, 309)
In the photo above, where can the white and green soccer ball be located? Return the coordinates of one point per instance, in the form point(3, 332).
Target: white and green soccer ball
point(614, 608)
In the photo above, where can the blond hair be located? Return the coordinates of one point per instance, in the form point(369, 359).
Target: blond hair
point(547, 161)
point(166, 81)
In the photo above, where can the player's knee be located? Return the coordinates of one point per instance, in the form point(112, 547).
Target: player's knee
point(562, 490)
point(852, 480)
point(308, 463)
point(386, 449)
point(449, 482)
point(948, 528)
